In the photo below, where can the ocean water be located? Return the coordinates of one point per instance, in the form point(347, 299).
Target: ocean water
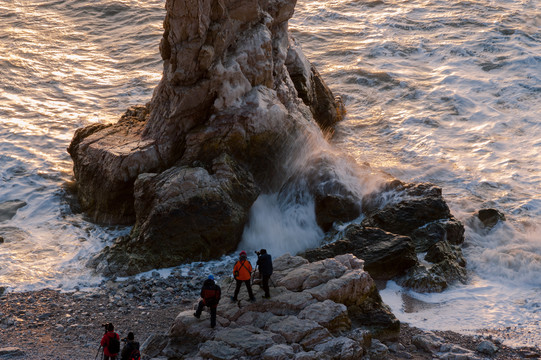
point(439, 91)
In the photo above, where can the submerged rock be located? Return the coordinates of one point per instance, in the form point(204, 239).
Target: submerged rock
point(9, 208)
point(229, 91)
point(490, 217)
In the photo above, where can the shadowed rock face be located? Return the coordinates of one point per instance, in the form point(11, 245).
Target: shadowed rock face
point(226, 114)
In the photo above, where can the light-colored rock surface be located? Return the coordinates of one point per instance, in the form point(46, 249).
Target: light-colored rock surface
point(291, 324)
point(226, 91)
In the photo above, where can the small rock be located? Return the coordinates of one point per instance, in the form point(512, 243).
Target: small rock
point(428, 342)
point(278, 352)
point(378, 350)
point(490, 217)
point(8, 352)
point(486, 347)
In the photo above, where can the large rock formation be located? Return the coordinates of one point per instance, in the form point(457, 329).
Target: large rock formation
point(236, 100)
point(237, 113)
point(317, 310)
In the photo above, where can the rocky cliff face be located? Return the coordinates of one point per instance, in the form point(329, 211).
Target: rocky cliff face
point(237, 99)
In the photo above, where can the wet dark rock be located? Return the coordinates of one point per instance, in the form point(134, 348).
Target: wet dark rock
point(331, 208)
point(375, 316)
point(490, 217)
point(326, 109)
point(386, 255)
point(442, 251)
point(422, 279)
point(9, 208)
point(418, 205)
point(404, 220)
point(447, 266)
point(450, 230)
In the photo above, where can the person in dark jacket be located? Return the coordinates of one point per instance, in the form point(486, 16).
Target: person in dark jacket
point(131, 349)
point(264, 262)
point(106, 339)
point(242, 271)
point(210, 294)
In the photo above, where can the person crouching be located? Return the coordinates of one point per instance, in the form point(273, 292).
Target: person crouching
point(210, 294)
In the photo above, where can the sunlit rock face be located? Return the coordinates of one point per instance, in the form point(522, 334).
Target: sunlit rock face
point(215, 134)
point(327, 309)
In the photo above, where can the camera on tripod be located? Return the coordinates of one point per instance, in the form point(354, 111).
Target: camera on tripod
point(107, 326)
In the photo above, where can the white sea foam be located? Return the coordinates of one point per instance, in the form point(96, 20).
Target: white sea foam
point(435, 91)
point(281, 227)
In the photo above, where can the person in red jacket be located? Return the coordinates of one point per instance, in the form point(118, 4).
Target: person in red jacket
point(110, 343)
point(210, 294)
point(242, 271)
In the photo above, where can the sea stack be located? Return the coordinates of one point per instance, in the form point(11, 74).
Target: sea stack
point(237, 99)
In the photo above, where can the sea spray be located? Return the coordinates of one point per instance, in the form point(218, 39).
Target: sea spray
point(285, 221)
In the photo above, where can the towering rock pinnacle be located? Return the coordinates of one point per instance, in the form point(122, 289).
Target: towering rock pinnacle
point(236, 99)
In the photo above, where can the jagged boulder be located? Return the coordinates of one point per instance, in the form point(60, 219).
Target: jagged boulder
point(416, 206)
point(403, 221)
point(385, 255)
point(107, 158)
point(312, 327)
point(205, 210)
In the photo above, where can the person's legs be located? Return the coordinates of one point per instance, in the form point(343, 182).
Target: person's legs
point(237, 289)
point(213, 316)
point(249, 288)
point(265, 285)
point(199, 309)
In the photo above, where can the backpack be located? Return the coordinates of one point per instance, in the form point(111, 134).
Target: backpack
point(135, 355)
point(114, 344)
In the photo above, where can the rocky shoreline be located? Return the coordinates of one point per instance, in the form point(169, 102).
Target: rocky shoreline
point(241, 112)
point(50, 324)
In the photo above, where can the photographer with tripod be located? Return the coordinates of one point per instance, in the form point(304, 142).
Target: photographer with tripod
point(264, 262)
point(110, 342)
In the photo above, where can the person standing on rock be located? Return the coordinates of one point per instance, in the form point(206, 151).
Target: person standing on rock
point(210, 294)
point(264, 262)
point(242, 271)
point(131, 349)
point(110, 343)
